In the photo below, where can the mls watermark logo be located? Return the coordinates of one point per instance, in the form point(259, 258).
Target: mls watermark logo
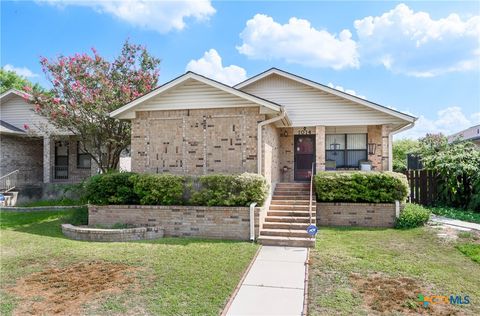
point(442, 299)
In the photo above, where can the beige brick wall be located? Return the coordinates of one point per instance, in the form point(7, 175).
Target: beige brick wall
point(271, 153)
point(180, 221)
point(286, 154)
point(356, 214)
point(196, 142)
point(320, 148)
point(378, 134)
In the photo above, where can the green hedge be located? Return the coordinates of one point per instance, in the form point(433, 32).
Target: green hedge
point(167, 189)
point(230, 190)
point(357, 186)
point(412, 216)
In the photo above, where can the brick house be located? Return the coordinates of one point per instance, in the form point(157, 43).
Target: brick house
point(40, 153)
point(276, 124)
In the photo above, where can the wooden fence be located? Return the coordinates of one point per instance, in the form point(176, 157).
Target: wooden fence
point(423, 186)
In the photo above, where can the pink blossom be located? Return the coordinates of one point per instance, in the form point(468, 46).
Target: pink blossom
point(25, 126)
point(27, 88)
point(37, 107)
point(56, 100)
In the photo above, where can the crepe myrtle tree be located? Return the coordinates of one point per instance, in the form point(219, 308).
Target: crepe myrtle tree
point(86, 88)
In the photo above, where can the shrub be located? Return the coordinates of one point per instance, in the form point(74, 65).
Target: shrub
point(111, 188)
point(412, 216)
point(370, 187)
point(230, 190)
point(159, 189)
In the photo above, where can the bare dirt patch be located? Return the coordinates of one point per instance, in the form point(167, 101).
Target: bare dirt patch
point(384, 294)
point(63, 291)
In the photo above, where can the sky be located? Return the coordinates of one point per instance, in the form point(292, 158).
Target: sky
point(422, 58)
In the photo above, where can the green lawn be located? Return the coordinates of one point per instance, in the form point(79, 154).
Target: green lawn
point(370, 271)
point(171, 276)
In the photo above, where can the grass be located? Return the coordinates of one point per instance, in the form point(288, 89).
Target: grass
point(417, 254)
point(178, 276)
point(470, 250)
point(59, 202)
point(456, 213)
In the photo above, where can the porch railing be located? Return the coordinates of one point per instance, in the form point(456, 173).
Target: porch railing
point(312, 176)
point(9, 181)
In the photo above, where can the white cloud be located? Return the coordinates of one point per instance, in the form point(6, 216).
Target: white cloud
point(448, 121)
point(160, 16)
point(414, 44)
point(349, 91)
point(21, 71)
point(210, 65)
point(297, 42)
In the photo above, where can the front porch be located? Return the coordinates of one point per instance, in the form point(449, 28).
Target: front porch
point(330, 147)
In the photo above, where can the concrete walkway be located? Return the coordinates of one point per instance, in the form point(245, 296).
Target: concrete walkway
point(274, 285)
point(454, 222)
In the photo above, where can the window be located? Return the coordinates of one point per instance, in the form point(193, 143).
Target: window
point(61, 160)
point(83, 158)
point(347, 150)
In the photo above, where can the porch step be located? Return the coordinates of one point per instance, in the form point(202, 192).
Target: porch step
point(288, 213)
point(285, 233)
point(291, 197)
point(291, 202)
point(286, 241)
point(286, 226)
point(291, 192)
point(287, 219)
point(292, 207)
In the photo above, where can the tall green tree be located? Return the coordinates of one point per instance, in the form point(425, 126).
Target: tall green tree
point(11, 80)
point(401, 148)
point(86, 88)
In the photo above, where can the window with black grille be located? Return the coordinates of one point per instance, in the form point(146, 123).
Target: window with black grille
point(347, 150)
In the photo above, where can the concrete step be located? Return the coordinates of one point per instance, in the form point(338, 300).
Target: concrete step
point(289, 213)
point(292, 207)
point(285, 232)
point(291, 197)
point(286, 219)
point(291, 202)
point(293, 186)
point(291, 192)
point(280, 225)
point(286, 241)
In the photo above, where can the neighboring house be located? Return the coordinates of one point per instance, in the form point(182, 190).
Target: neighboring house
point(40, 153)
point(472, 134)
point(276, 124)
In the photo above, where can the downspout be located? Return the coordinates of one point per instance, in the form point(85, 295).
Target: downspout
point(259, 137)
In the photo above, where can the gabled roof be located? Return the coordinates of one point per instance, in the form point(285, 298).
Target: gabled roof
point(7, 95)
point(327, 89)
point(6, 128)
point(191, 75)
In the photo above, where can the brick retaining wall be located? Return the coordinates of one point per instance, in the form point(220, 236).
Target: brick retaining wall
point(180, 221)
point(97, 234)
point(356, 214)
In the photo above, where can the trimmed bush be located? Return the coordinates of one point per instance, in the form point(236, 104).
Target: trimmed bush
point(412, 216)
point(111, 188)
point(230, 190)
point(159, 189)
point(366, 187)
point(167, 189)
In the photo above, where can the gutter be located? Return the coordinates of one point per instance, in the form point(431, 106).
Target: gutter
point(259, 137)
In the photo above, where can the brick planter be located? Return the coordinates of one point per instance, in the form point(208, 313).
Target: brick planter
point(356, 214)
point(219, 222)
point(96, 234)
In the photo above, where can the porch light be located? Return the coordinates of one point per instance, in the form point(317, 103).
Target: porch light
point(285, 133)
point(335, 146)
point(372, 148)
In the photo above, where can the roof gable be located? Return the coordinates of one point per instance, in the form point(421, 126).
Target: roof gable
point(246, 86)
point(166, 97)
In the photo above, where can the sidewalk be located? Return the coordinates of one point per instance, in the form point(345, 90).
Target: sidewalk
point(274, 285)
point(454, 222)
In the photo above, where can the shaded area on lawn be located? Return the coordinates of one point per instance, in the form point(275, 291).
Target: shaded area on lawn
point(176, 276)
point(344, 256)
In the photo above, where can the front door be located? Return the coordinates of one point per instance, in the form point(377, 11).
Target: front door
point(304, 156)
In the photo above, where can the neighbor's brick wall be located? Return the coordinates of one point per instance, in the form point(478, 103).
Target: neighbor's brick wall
point(271, 151)
point(356, 214)
point(180, 221)
point(196, 142)
point(24, 154)
point(378, 134)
